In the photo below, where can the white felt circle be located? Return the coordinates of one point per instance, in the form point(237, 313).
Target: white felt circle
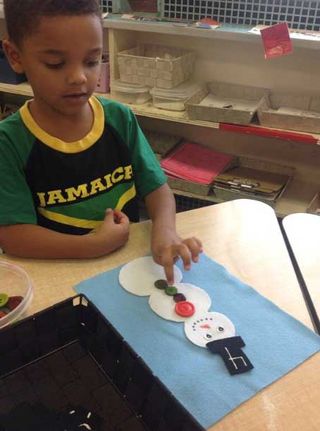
point(164, 305)
point(139, 275)
point(205, 327)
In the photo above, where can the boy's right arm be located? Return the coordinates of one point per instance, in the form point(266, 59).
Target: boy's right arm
point(33, 241)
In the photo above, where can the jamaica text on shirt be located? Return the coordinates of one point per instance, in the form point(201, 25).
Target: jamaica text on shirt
point(85, 190)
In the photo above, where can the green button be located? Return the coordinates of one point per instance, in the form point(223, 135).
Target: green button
point(171, 290)
point(161, 284)
point(3, 299)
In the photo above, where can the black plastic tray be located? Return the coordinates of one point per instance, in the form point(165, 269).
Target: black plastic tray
point(69, 359)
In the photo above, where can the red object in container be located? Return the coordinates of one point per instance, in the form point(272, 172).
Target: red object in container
point(13, 302)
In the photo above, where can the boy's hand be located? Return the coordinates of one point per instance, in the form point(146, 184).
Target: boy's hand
point(167, 247)
point(113, 232)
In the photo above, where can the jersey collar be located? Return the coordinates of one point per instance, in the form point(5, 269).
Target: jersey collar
point(62, 146)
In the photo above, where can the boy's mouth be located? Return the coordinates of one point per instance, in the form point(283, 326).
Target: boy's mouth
point(76, 96)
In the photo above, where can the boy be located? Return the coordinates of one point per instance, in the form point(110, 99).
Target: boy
point(71, 165)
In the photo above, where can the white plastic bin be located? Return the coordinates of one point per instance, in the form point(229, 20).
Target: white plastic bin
point(174, 99)
point(130, 93)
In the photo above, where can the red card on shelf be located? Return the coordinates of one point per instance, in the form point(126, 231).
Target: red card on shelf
point(276, 40)
point(194, 162)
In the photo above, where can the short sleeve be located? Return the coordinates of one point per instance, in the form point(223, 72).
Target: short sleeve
point(16, 203)
point(148, 173)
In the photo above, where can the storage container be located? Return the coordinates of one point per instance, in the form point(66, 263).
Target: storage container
point(262, 181)
point(174, 99)
point(224, 102)
point(14, 283)
point(155, 65)
point(161, 143)
point(291, 111)
point(69, 368)
point(188, 186)
point(130, 93)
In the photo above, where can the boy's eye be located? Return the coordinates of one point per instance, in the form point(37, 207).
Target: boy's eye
point(93, 63)
point(54, 65)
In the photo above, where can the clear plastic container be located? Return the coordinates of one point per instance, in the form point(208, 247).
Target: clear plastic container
point(14, 281)
point(175, 98)
point(130, 93)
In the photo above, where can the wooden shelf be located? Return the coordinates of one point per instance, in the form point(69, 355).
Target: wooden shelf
point(22, 89)
point(149, 111)
point(229, 32)
point(295, 199)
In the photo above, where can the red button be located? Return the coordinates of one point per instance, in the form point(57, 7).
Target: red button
point(184, 308)
point(3, 312)
point(13, 302)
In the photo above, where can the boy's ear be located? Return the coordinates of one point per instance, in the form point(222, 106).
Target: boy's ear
point(13, 55)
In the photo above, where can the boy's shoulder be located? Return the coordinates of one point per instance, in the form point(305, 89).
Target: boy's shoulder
point(11, 127)
point(114, 108)
point(11, 122)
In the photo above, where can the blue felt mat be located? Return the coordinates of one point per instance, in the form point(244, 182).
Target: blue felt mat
point(275, 342)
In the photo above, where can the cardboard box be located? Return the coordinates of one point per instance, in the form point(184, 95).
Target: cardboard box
point(291, 111)
point(223, 102)
point(161, 143)
point(189, 186)
point(253, 179)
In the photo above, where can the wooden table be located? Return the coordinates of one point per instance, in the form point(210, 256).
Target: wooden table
point(303, 233)
point(245, 237)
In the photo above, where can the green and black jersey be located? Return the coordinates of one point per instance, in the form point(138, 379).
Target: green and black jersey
point(67, 186)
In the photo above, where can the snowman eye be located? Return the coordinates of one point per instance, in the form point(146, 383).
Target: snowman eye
point(208, 336)
point(220, 329)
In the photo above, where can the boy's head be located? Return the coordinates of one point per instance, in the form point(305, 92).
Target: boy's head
point(58, 45)
point(23, 16)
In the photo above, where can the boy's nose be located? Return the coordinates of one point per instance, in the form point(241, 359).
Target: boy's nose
point(76, 76)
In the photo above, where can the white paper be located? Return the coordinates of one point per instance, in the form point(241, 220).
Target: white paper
point(164, 305)
point(139, 275)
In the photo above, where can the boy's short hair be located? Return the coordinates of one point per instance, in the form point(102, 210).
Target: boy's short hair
point(22, 16)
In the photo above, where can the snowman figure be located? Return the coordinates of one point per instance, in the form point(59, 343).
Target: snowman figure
point(216, 332)
point(185, 302)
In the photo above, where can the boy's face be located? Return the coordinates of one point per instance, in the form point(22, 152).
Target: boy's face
point(61, 61)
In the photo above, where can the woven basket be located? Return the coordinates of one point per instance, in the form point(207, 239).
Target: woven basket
point(155, 66)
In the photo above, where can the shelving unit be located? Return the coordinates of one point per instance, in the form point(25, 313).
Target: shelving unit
point(231, 54)
point(148, 110)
